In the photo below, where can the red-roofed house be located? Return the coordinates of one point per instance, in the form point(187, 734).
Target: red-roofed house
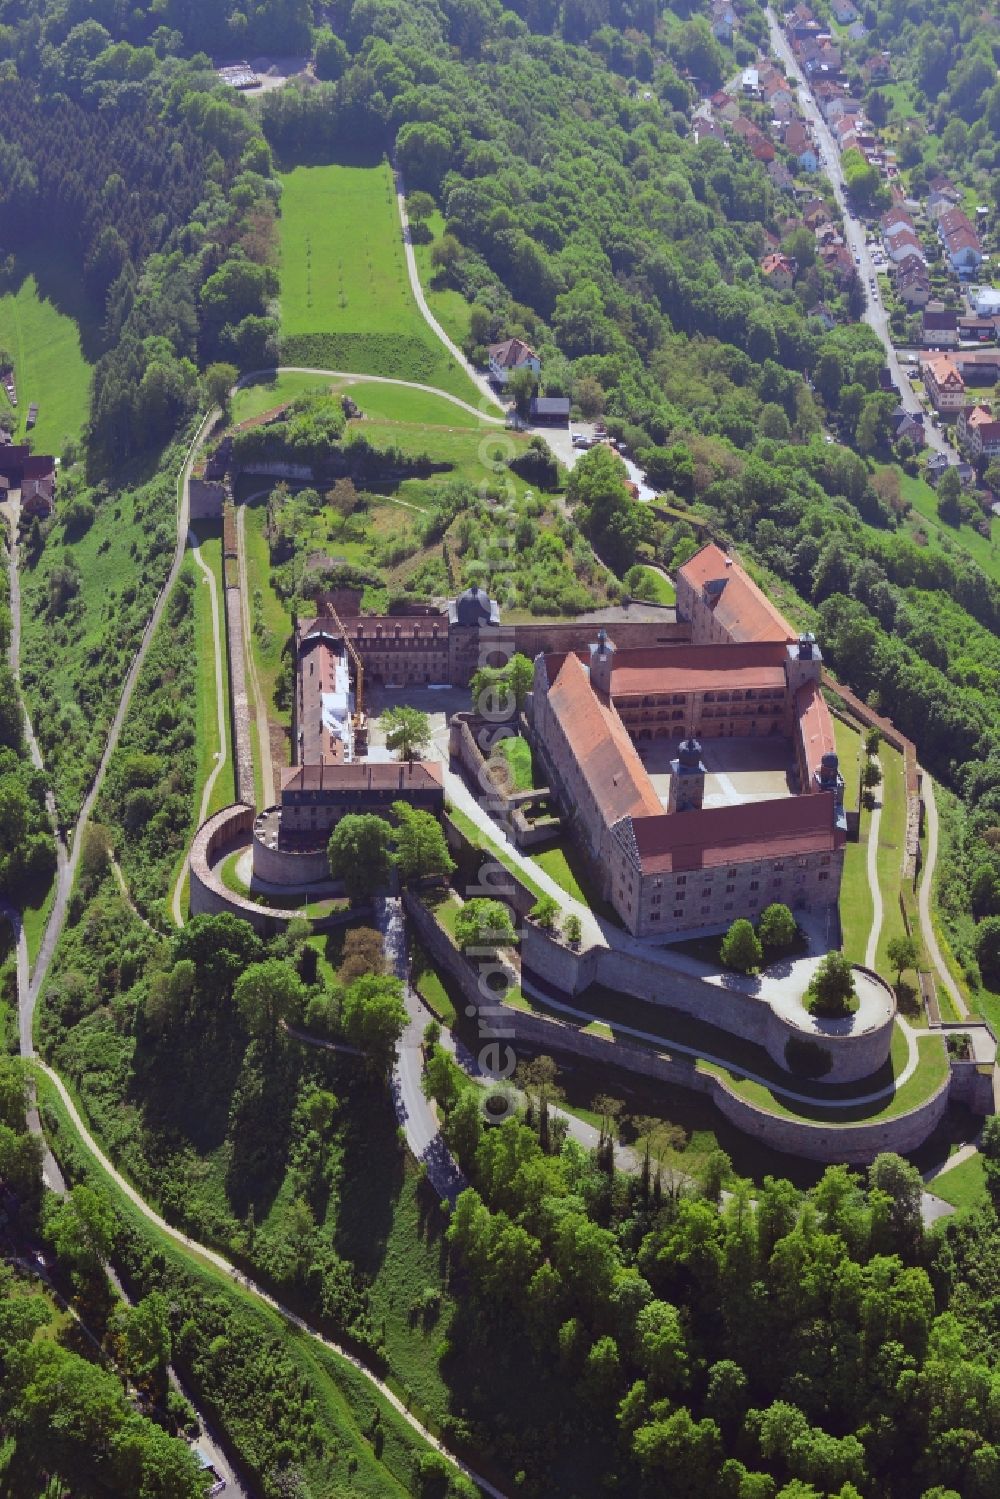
point(779, 270)
point(723, 604)
point(944, 384)
point(513, 354)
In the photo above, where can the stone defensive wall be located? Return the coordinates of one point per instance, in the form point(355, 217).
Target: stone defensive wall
point(508, 807)
point(575, 635)
point(750, 1016)
point(855, 1142)
point(232, 828)
point(898, 741)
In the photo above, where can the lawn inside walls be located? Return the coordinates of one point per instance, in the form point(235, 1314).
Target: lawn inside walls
point(346, 300)
point(207, 731)
point(964, 1186)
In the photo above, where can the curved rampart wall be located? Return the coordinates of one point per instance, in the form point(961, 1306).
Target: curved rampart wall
point(855, 1142)
point(748, 1016)
point(225, 831)
point(286, 867)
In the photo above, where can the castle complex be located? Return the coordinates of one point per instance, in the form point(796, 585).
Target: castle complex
point(693, 761)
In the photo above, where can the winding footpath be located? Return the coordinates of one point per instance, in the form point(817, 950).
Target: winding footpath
point(221, 1264)
point(356, 379)
point(478, 380)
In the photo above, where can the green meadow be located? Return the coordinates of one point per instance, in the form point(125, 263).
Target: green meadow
point(49, 364)
point(346, 301)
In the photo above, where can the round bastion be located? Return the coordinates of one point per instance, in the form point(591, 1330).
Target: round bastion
point(283, 861)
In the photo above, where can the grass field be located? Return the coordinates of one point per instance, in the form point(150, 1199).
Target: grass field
point(891, 846)
point(563, 864)
point(964, 1186)
point(45, 344)
point(517, 753)
point(346, 301)
point(207, 742)
point(270, 623)
point(448, 306)
point(34, 919)
point(264, 393)
point(663, 590)
point(924, 500)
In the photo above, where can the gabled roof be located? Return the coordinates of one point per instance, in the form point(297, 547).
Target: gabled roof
point(607, 758)
point(736, 601)
point(511, 353)
point(782, 828)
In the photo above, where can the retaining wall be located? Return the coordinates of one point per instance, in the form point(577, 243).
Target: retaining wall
point(507, 808)
point(282, 866)
point(855, 1142)
point(749, 1016)
point(232, 828)
point(239, 705)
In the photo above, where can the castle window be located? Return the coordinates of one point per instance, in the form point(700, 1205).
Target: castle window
point(706, 893)
point(755, 884)
point(655, 916)
point(679, 913)
point(825, 859)
point(705, 910)
point(730, 889)
point(778, 864)
point(731, 871)
point(776, 884)
point(728, 905)
point(824, 874)
point(682, 879)
point(709, 697)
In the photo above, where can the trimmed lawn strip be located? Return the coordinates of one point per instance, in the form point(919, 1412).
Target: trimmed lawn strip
point(434, 988)
point(562, 863)
point(223, 793)
point(347, 1399)
point(849, 751)
point(479, 840)
point(398, 403)
point(964, 1186)
point(891, 847)
point(857, 908)
point(517, 753)
point(270, 624)
point(663, 590)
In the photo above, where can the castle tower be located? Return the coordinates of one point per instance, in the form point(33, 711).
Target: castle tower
point(805, 662)
point(687, 779)
point(602, 660)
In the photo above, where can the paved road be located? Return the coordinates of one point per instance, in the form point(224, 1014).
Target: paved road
point(414, 1111)
point(220, 1263)
point(924, 899)
point(854, 233)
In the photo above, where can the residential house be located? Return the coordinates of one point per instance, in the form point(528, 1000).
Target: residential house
point(913, 282)
point(703, 129)
point(551, 410)
point(724, 107)
point(940, 326)
point(750, 83)
point(777, 92)
point(979, 366)
point(910, 425)
point(960, 241)
point(945, 385)
point(723, 22)
point(896, 218)
point(837, 259)
point(936, 465)
point(779, 271)
point(901, 244)
point(986, 301)
point(981, 330)
point(760, 146)
point(844, 11)
point(823, 315)
point(857, 31)
point(944, 186)
point(978, 432)
point(798, 141)
point(511, 355)
point(876, 68)
point(780, 176)
point(815, 212)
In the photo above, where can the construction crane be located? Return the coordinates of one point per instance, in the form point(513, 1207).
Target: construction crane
point(359, 722)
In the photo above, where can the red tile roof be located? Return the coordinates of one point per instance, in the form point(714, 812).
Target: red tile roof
point(365, 775)
point(741, 607)
point(603, 750)
point(815, 726)
point(782, 828)
point(694, 668)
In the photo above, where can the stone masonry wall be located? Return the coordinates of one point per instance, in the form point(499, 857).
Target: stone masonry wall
point(854, 1142)
point(730, 1010)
